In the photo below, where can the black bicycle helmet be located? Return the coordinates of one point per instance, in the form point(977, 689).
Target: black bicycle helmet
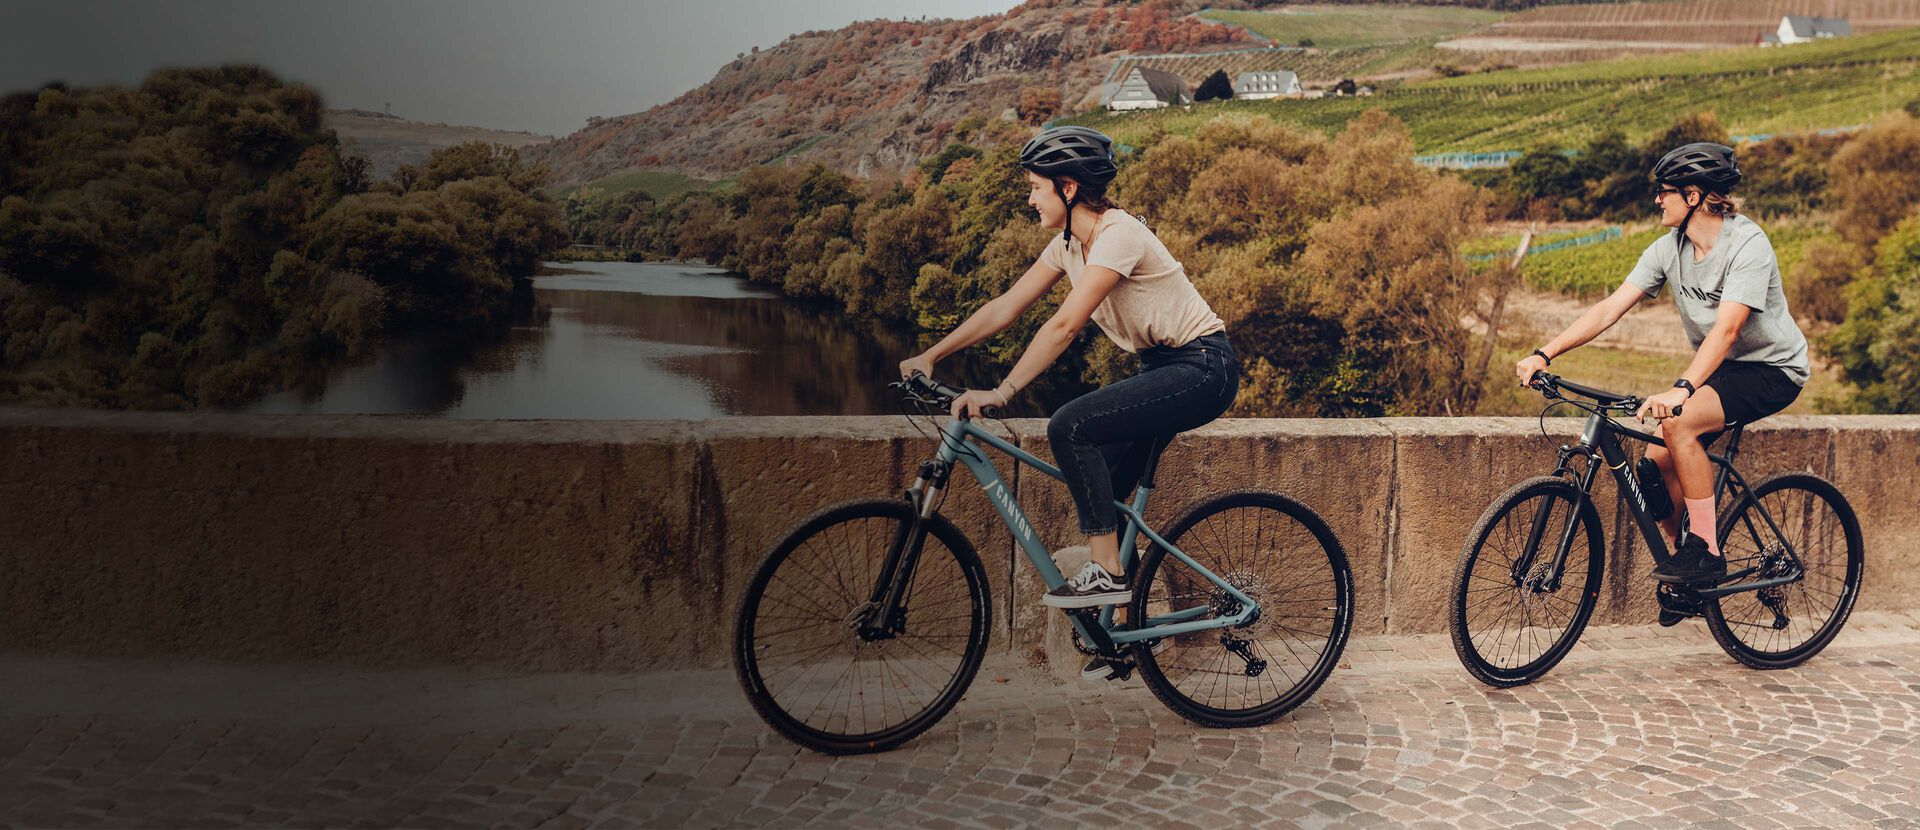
point(1705, 164)
point(1082, 153)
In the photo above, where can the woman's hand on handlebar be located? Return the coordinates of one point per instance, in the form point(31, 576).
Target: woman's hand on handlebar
point(975, 401)
point(919, 363)
point(1662, 406)
point(1527, 366)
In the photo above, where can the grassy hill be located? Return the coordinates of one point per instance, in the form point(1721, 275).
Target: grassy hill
point(1337, 27)
point(1732, 22)
point(1841, 82)
point(660, 184)
point(389, 142)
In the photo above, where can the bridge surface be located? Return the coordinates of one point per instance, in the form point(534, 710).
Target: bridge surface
point(1639, 727)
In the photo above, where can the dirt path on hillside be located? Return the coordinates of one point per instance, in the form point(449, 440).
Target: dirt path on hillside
point(1652, 326)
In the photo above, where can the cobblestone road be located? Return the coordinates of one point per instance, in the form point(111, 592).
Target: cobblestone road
point(1638, 728)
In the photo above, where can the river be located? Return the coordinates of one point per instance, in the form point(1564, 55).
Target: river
point(620, 340)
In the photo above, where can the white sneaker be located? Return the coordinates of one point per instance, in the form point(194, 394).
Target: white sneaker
point(1090, 588)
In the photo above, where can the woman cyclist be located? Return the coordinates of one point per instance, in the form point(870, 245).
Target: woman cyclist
point(1124, 280)
point(1750, 359)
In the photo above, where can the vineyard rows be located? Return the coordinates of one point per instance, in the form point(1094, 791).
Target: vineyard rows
point(1719, 21)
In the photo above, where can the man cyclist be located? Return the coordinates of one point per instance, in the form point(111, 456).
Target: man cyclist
point(1750, 358)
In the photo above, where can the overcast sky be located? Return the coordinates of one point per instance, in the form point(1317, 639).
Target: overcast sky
point(538, 66)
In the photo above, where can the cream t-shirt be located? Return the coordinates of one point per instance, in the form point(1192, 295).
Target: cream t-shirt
point(1154, 304)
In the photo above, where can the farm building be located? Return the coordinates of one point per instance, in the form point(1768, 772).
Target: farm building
point(1145, 89)
point(1260, 85)
point(1800, 29)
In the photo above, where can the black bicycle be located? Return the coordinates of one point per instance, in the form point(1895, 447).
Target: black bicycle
point(1530, 574)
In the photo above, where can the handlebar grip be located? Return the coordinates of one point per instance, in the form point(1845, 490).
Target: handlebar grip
point(1676, 410)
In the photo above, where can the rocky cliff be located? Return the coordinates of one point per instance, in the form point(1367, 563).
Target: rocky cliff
point(880, 95)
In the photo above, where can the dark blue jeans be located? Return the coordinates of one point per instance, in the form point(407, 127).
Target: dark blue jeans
point(1101, 440)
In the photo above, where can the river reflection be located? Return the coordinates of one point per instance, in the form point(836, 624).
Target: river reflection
point(648, 341)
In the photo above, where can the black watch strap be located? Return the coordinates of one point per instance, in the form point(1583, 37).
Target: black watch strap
point(1543, 356)
point(1683, 383)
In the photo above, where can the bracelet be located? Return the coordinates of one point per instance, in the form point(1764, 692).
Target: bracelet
point(1543, 356)
point(1003, 396)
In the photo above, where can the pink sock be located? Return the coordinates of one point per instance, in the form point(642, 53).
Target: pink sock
point(1700, 516)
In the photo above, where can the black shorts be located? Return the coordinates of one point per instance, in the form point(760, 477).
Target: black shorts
point(1750, 391)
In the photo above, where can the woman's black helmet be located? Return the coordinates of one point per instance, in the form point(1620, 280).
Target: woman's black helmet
point(1705, 164)
point(1082, 153)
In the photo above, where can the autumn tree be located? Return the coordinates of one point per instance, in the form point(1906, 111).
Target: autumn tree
point(201, 239)
point(1036, 104)
point(1875, 182)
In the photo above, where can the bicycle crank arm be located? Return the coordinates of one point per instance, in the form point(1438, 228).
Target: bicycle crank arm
point(1723, 590)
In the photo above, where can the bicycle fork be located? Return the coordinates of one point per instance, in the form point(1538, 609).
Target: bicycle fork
point(885, 613)
point(1548, 580)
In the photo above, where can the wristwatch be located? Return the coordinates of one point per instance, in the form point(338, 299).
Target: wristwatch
point(1683, 383)
point(1543, 356)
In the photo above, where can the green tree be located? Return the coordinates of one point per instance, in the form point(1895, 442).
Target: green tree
point(1877, 345)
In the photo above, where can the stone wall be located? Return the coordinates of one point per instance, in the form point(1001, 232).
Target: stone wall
point(618, 546)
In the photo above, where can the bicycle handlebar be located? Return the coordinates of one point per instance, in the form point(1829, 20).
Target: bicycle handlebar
point(940, 393)
point(1550, 385)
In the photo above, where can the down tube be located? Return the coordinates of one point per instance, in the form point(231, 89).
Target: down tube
point(1002, 498)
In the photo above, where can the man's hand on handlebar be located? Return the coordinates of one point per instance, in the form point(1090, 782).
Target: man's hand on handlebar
point(1662, 406)
point(1529, 366)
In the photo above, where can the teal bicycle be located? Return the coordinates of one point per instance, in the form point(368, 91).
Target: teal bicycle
point(868, 621)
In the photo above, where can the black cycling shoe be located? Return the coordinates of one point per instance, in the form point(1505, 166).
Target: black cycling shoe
point(1691, 563)
point(1676, 607)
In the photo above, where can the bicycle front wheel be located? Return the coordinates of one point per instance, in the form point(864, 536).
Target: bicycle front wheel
point(799, 652)
point(1782, 626)
point(1513, 619)
point(1283, 556)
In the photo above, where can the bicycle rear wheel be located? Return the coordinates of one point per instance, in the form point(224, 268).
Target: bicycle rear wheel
point(798, 650)
point(1505, 631)
point(1281, 554)
point(1774, 628)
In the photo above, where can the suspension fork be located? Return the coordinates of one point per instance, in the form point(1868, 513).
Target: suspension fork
point(885, 612)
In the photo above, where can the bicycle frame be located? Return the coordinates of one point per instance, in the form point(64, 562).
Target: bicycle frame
point(1600, 442)
point(961, 441)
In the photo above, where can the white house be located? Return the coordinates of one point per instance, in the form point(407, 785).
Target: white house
point(1801, 29)
point(1256, 86)
point(1147, 89)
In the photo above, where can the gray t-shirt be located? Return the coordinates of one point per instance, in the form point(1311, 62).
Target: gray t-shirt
point(1741, 268)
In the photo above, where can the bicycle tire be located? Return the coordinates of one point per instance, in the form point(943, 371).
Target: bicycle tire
point(1246, 573)
point(1844, 594)
point(822, 613)
point(1473, 647)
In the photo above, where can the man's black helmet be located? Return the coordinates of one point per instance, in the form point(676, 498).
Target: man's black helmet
point(1703, 163)
point(1078, 152)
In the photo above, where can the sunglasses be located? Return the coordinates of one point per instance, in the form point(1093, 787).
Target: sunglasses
point(1663, 191)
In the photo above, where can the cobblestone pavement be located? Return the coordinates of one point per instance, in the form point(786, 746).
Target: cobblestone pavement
point(1639, 728)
